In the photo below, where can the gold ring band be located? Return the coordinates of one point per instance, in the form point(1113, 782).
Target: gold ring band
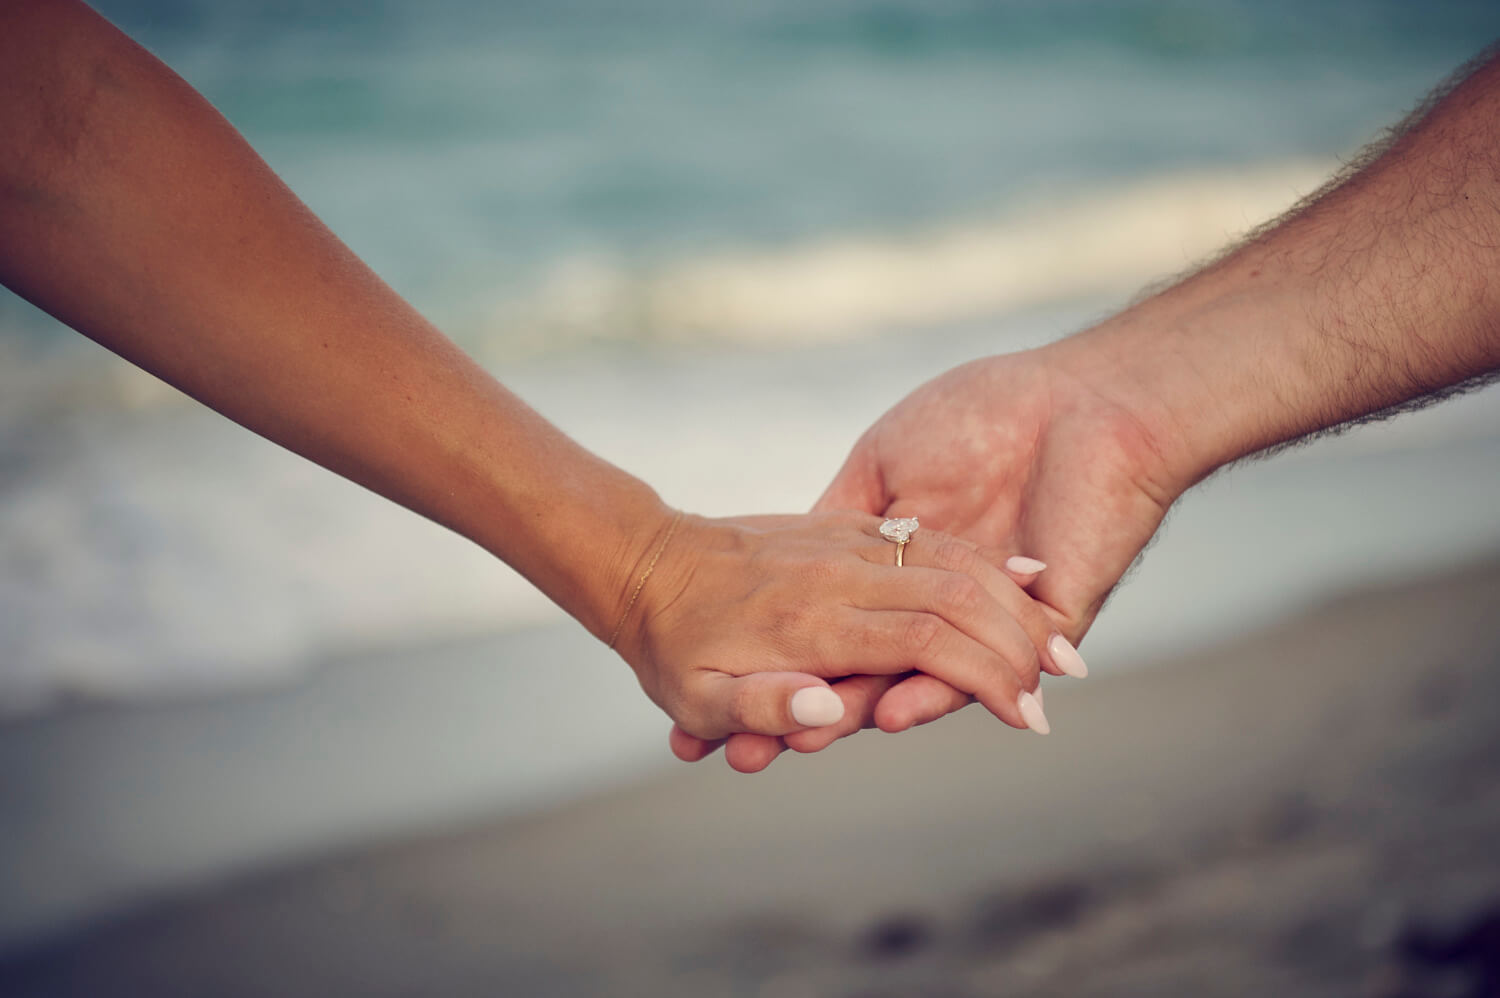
point(898, 530)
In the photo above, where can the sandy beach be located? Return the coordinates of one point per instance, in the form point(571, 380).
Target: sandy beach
point(1310, 810)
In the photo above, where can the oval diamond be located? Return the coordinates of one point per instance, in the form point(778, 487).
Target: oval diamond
point(899, 529)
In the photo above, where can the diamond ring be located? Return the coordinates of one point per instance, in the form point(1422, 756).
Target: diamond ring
point(899, 530)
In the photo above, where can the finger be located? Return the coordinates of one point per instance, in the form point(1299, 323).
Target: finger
point(752, 753)
point(1041, 624)
point(974, 597)
point(1061, 658)
point(1047, 593)
point(691, 748)
point(1023, 571)
point(889, 642)
point(749, 753)
point(765, 703)
point(860, 695)
point(918, 699)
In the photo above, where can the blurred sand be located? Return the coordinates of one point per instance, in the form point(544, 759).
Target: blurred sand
point(1313, 810)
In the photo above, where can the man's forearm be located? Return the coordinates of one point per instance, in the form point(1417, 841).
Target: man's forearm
point(1384, 289)
point(135, 213)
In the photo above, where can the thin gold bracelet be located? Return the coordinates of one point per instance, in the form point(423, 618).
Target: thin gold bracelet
point(651, 567)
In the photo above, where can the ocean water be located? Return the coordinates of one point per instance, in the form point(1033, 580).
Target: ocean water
point(713, 240)
point(675, 227)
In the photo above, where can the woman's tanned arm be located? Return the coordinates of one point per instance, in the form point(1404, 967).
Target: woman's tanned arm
point(131, 210)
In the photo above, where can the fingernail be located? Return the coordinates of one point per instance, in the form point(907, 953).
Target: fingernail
point(1024, 566)
point(1040, 702)
point(1066, 657)
point(815, 706)
point(1031, 713)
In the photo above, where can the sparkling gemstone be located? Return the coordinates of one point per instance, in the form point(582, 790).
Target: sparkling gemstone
point(899, 529)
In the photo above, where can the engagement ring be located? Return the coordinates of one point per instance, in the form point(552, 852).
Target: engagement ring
point(899, 531)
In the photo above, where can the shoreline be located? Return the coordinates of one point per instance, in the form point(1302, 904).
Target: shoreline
point(1303, 808)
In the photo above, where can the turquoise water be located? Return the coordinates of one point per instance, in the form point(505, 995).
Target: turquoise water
point(471, 149)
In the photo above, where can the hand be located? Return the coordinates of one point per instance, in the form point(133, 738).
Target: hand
point(741, 615)
point(1026, 454)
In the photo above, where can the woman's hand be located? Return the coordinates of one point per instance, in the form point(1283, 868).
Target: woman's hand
point(741, 614)
point(1021, 454)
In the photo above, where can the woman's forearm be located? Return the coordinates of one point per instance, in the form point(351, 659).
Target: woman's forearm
point(131, 210)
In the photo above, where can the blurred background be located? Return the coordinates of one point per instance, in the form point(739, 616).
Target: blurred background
point(712, 240)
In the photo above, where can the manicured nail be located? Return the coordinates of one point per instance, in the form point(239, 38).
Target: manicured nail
point(1024, 566)
point(1066, 657)
point(1031, 713)
point(1040, 702)
point(815, 706)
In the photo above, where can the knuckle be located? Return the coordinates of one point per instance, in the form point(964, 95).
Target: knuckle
point(992, 556)
point(924, 635)
point(1033, 670)
point(1027, 666)
point(961, 593)
point(747, 710)
point(1036, 622)
point(954, 556)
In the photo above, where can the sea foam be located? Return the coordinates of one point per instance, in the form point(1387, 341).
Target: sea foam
point(1054, 245)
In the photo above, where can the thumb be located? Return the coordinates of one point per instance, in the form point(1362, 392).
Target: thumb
point(766, 703)
point(857, 486)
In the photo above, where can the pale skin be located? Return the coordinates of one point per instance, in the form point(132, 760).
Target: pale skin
point(131, 210)
point(1381, 292)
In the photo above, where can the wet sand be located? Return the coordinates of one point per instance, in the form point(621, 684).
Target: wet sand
point(1311, 810)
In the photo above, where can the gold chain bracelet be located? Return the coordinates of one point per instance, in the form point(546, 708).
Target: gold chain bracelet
point(650, 567)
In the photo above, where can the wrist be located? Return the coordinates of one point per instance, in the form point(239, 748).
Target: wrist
point(604, 552)
point(655, 581)
point(642, 575)
point(1206, 372)
point(575, 526)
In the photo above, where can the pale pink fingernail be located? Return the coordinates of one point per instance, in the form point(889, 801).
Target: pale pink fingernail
point(1031, 713)
point(1019, 565)
point(815, 706)
point(1066, 657)
point(1038, 694)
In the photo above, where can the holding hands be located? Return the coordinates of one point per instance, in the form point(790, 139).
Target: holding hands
point(742, 621)
point(131, 210)
point(1375, 296)
point(146, 222)
point(1030, 462)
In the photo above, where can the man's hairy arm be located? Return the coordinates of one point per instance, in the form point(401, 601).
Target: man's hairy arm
point(1377, 294)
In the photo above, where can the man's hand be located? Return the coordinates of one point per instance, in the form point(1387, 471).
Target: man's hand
point(1022, 455)
point(1374, 296)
